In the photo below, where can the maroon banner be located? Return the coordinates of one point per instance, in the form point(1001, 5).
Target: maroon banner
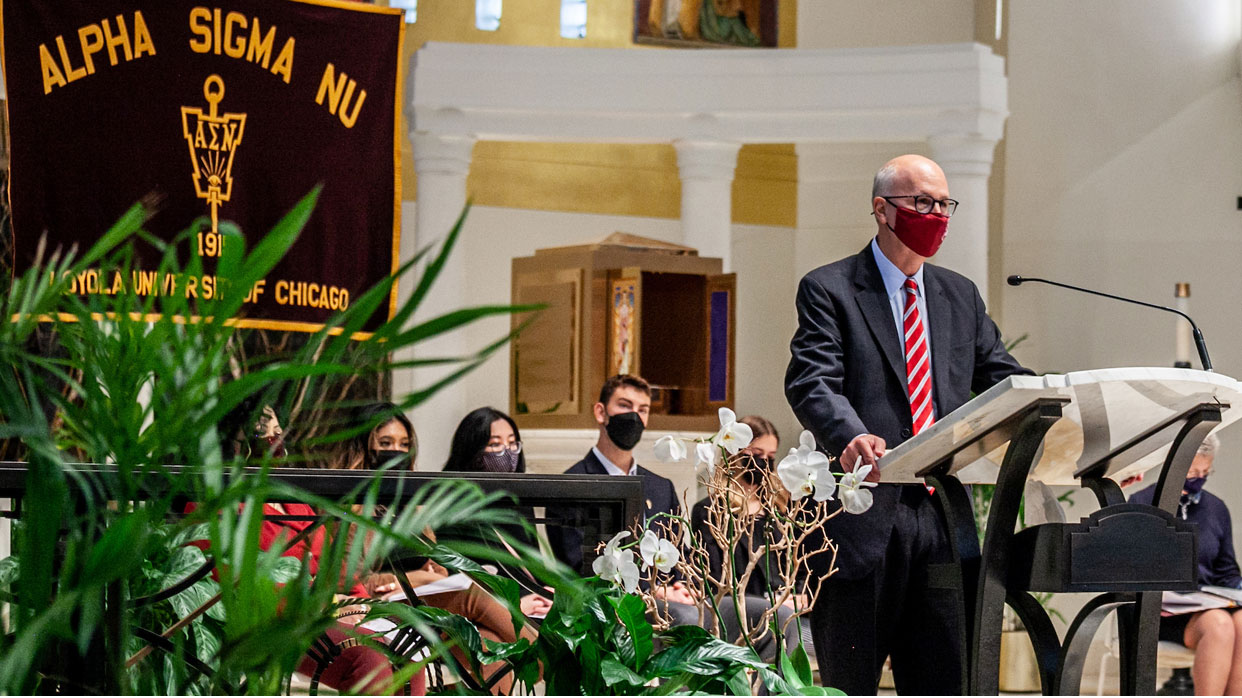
point(234, 111)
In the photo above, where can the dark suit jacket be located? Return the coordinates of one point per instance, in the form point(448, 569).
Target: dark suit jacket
point(566, 541)
point(847, 374)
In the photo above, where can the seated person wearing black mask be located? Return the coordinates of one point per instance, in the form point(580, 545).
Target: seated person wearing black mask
point(622, 410)
point(755, 464)
point(392, 441)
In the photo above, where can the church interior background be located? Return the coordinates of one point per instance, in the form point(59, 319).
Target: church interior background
point(1106, 152)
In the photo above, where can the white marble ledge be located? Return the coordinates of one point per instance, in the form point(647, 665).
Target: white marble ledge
point(775, 96)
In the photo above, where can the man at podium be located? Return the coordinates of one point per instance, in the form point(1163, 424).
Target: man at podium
point(885, 344)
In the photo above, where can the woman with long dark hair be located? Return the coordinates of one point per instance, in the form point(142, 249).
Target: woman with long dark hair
point(486, 441)
point(385, 436)
point(337, 659)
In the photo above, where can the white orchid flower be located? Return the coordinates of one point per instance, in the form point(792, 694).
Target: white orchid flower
point(670, 449)
point(733, 435)
point(806, 441)
point(706, 453)
point(806, 474)
point(617, 565)
point(855, 499)
point(614, 546)
point(657, 551)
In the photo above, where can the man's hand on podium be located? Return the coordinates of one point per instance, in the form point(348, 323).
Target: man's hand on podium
point(870, 448)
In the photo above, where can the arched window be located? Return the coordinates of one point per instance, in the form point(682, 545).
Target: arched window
point(487, 14)
point(410, 7)
point(573, 19)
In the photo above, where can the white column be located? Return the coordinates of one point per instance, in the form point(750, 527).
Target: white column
point(706, 169)
point(967, 164)
point(441, 163)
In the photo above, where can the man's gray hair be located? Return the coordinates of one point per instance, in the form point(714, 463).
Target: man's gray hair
point(883, 181)
point(1209, 446)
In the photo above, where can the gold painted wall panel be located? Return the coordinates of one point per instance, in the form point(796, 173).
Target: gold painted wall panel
point(522, 23)
point(605, 178)
point(610, 24)
point(626, 180)
point(765, 185)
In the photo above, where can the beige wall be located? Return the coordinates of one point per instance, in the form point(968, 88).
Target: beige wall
point(1123, 166)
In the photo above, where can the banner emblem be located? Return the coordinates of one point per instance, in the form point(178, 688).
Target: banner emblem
point(213, 139)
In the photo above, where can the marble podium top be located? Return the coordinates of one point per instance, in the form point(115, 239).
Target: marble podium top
point(1107, 408)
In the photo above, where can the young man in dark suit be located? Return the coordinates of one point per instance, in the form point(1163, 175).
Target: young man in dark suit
point(622, 411)
point(885, 345)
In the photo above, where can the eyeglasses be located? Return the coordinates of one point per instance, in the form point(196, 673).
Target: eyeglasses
point(515, 447)
point(924, 203)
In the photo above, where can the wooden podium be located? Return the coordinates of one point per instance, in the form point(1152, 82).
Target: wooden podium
point(1088, 429)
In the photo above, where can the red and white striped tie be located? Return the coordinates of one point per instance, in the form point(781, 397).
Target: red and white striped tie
point(918, 361)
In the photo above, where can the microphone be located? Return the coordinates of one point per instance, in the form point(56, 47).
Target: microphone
point(1016, 280)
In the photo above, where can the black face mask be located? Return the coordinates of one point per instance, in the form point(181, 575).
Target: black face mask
point(754, 470)
point(504, 462)
point(625, 430)
point(1194, 485)
point(379, 458)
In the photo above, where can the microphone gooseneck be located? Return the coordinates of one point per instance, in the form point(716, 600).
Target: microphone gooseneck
point(1200, 344)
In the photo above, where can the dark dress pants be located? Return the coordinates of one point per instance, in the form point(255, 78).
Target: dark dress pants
point(856, 623)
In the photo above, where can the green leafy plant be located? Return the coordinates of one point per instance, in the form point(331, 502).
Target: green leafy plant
point(96, 591)
point(598, 640)
point(137, 381)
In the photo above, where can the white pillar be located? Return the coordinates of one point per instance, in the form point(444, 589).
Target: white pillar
point(967, 164)
point(706, 169)
point(441, 163)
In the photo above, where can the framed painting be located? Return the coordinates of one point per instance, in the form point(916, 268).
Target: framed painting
point(706, 23)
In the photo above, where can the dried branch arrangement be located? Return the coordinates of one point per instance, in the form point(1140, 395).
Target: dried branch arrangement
point(759, 532)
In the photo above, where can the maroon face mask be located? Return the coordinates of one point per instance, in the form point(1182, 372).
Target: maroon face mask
point(921, 232)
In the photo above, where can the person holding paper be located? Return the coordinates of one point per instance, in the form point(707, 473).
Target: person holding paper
point(337, 657)
point(1215, 634)
point(488, 441)
point(885, 345)
point(393, 440)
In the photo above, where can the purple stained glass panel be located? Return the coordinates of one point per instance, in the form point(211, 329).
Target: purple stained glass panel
point(718, 352)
